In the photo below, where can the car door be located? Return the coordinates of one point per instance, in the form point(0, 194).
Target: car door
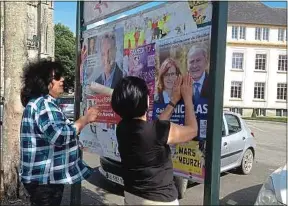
point(235, 139)
point(224, 145)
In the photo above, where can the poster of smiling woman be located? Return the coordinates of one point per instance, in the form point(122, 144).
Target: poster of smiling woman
point(176, 56)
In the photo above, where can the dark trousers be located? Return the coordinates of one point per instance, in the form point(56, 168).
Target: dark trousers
point(49, 194)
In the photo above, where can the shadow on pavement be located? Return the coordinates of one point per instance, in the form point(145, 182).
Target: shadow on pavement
point(193, 184)
point(98, 180)
point(87, 197)
point(245, 196)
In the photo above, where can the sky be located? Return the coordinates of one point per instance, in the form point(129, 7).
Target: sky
point(65, 12)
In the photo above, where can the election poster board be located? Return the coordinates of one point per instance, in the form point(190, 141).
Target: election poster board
point(98, 10)
point(101, 63)
point(179, 55)
point(156, 45)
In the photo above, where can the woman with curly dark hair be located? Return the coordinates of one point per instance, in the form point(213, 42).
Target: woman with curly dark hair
point(49, 147)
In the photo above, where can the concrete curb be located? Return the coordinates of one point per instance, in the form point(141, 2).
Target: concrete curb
point(264, 121)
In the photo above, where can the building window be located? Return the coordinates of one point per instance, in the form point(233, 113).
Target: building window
point(237, 60)
point(281, 91)
point(259, 90)
point(282, 63)
point(262, 33)
point(281, 33)
point(236, 90)
point(238, 32)
point(234, 32)
point(281, 112)
point(260, 62)
point(266, 34)
point(258, 33)
point(237, 110)
point(261, 112)
point(242, 32)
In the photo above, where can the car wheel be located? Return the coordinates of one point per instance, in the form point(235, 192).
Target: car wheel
point(181, 186)
point(247, 162)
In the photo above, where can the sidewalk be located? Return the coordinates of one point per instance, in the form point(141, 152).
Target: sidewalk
point(87, 198)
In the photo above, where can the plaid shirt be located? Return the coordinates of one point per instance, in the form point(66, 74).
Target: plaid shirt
point(49, 147)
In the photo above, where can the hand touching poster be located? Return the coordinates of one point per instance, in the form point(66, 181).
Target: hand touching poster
point(175, 56)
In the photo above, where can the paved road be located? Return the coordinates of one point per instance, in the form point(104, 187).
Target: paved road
point(235, 189)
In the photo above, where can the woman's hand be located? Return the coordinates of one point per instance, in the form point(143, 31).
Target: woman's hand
point(91, 115)
point(187, 87)
point(176, 91)
point(81, 147)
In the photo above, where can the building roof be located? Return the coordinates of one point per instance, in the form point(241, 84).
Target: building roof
point(256, 13)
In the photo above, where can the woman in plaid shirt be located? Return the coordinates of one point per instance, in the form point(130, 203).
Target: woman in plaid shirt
point(49, 147)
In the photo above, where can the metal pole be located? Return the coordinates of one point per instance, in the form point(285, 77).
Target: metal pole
point(215, 104)
point(1, 103)
point(75, 198)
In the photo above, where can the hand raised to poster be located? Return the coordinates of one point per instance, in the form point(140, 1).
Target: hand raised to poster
point(176, 90)
point(187, 87)
point(91, 114)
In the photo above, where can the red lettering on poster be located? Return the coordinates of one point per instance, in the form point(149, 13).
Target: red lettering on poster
point(106, 113)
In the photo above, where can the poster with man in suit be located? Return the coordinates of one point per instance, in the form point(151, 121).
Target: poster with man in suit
point(198, 65)
point(111, 72)
point(177, 56)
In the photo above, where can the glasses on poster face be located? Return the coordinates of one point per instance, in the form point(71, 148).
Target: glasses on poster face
point(170, 74)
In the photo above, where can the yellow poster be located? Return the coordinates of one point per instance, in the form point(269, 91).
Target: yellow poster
point(188, 159)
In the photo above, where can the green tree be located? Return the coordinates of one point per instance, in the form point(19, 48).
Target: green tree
point(65, 45)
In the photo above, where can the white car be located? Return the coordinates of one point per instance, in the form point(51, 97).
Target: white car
point(237, 151)
point(274, 190)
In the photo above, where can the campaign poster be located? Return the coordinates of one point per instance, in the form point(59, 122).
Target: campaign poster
point(108, 140)
point(106, 113)
point(201, 12)
point(101, 64)
point(104, 57)
point(101, 140)
point(160, 23)
point(176, 56)
point(97, 10)
point(142, 65)
point(89, 140)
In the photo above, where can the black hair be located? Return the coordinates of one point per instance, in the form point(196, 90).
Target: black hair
point(36, 78)
point(130, 98)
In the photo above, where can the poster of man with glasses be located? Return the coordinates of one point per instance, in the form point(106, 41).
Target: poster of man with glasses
point(174, 57)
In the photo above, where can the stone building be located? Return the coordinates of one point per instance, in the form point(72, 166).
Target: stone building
point(39, 32)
